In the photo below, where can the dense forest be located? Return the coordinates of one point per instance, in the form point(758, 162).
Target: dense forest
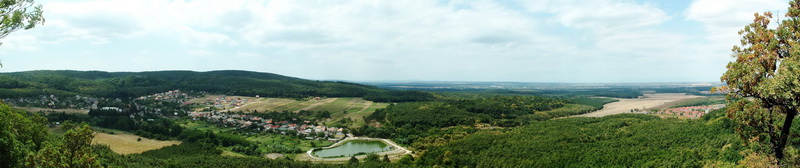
point(444, 136)
point(134, 84)
point(422, 124)
point(620, 140)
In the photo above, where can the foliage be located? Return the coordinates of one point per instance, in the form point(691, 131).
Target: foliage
point(20, 134)
point(498, 110)
point(19, 14)
point(399, 96)
point(421, 124)
point(158, 128)
point(616, 92)
point(762, 83)
point(353, 160)
point(183, 150)
point(592, 101)
point(613, 141)
point(221, 139)
point(205, 155)
point(73, 151)
point(128, 84)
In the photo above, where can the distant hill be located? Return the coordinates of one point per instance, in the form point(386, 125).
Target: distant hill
point(231, 82)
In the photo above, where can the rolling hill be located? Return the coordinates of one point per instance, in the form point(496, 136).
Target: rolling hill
point(231, 82)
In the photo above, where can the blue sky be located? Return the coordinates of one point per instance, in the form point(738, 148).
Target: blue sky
point(576, 41)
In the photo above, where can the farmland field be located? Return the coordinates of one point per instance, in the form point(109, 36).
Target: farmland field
point(646, 102)
point(342, 107)
point(698, 101)
point(126, 143)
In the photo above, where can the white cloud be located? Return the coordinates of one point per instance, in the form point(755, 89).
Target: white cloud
point(600, 15)
point(372, 40)
point(724, 18)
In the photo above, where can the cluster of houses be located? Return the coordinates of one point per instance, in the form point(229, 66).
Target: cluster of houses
point(170, 96)
point(690, 111)
point(302, 128)
point(54, 102)
point(226, 102)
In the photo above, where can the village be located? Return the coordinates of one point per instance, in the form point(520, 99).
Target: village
point(54, 102)
point(689, 111)
point(175, 96)
point(295, 127)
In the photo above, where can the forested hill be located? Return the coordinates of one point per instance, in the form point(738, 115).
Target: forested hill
point(231, 82)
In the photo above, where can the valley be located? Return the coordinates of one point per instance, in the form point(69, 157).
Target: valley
point(187, 125)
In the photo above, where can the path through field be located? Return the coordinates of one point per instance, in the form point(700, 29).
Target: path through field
point(626, 105)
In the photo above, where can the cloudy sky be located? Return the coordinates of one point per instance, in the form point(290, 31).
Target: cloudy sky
point(370, 40)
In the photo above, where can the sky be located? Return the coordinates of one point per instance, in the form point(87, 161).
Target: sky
point(572, 41)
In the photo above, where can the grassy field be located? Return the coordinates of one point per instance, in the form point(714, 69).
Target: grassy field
point(355, 109)
point(47, 110)
point(303, 144)
point(342, 107)
point(202, 126)
point(126, 143)
point(698, 101)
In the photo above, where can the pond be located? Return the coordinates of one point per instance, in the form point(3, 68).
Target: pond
point(353, 147)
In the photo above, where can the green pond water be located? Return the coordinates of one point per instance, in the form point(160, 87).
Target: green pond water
point(353, 147)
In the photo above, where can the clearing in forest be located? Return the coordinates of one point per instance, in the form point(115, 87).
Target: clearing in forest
point(125, 143)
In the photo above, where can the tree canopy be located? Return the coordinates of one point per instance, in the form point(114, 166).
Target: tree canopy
point(19, 14)
point(763, 83)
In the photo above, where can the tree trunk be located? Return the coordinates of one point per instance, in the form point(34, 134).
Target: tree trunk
point(787, 125)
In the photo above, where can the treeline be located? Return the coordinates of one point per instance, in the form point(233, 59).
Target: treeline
point(26, 142)
point(407, 123)
point(616, 92)
point(498, 110)
point(207, 155)
point(129, 84)
point(153, 127)
point(628, 140)
point(400, 96)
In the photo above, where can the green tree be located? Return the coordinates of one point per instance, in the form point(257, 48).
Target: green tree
point(353, 160)
point(20, 134)
point(406, 159)
point(372, 157)
point(74, 150)
point(762, 83)
point(18, 14)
